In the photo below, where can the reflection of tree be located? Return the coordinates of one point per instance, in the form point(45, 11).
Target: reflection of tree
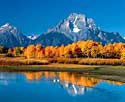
point(114, 82)
point(78, 80)
point(33, 75)
point(74, 83)
point(69, 77)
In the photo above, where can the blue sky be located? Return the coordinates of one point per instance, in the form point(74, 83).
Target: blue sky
point(36, 16)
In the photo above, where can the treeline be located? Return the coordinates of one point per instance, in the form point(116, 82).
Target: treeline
point(80, 49)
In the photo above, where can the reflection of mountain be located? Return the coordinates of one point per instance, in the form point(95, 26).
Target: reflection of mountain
point(63, 77)
point(73, 83)
point(5, 78)
point(73, 89)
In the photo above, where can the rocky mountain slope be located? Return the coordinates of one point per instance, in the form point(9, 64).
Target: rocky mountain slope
point(10, 36)
point(78, 27)
point(74, 28)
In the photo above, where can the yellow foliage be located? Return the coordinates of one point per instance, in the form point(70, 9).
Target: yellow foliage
point(87, 49)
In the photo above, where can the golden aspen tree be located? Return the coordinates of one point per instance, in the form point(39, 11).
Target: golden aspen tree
point(31, 51)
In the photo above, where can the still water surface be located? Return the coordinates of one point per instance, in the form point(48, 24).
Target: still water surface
point(58, 87)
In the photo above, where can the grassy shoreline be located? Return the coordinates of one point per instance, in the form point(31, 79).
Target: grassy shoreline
point(116, 73)
point(100, 68)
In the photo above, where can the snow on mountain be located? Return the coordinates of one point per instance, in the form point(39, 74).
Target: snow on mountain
point(78, 27)
point(7, 27)
point(72, 29)
point(75, 29)
point(123, 37)
point(10, 36)
point(33, 36)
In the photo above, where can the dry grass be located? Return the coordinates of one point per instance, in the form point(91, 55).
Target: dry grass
point(102, 61)
point(22, 61)
point(67, 66)
point(78, 61)
point(94, 67)
point(88, 61)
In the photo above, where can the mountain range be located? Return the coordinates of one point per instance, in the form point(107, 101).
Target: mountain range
point(10, 36)
point(74, 28)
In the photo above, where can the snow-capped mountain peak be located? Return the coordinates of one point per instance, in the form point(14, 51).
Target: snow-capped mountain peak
point(8, 28)
point(75, 26)
point(6, 25)
point(75, 16)
point(79, 27)
point(10, 36)
point(72, 29)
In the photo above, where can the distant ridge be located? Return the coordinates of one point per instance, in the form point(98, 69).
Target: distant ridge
point(10, 36)
point(72, 29)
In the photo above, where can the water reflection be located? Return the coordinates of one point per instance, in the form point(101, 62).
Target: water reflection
point(74, 83)
point(5, 78)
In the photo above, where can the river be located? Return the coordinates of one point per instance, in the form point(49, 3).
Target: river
point(58, 87)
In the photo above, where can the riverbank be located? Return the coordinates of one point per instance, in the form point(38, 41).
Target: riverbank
point(112, 69)
point(115, 73)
